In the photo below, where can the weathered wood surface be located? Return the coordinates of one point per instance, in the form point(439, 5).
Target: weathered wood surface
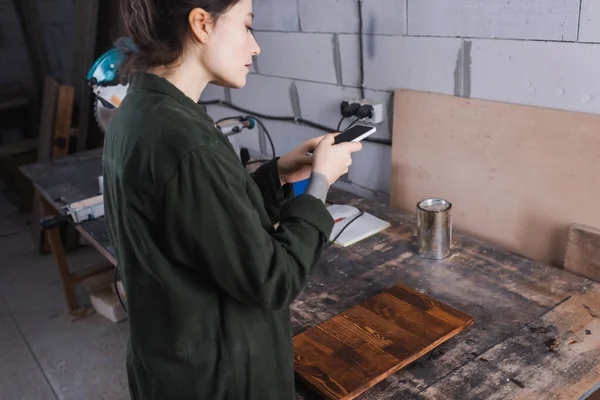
point(348, 354)
point(503, 291)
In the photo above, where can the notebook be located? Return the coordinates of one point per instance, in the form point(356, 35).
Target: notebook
point(355, 227)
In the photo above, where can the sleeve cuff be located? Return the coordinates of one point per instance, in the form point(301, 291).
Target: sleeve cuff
point(310, 209)
point(267, 178)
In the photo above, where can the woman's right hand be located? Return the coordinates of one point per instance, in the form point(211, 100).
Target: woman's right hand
point(333, 160)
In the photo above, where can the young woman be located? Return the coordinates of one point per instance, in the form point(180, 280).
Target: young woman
point(209, 279)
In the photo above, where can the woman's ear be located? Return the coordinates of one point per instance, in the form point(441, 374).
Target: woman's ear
point(201, 24)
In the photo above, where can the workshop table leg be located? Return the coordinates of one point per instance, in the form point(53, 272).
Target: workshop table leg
point(60, 258)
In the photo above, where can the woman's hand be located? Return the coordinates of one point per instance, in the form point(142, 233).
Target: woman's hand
point(296, 165)
point(333, 160)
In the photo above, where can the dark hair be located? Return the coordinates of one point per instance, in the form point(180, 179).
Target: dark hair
point(159, 29)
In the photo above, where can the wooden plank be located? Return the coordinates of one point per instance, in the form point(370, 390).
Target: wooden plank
point(62, 124)
point(24, 146)
point(583, 251)
point(47, 124)
point(346, 355)
point(517, 176)
point(86, 24)
point(555, 357)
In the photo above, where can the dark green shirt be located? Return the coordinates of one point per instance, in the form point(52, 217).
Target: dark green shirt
point(208, 278)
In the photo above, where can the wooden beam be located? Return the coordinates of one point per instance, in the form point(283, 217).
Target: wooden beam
point(86, 25)
point(62, 122)
point(583, 251)
point(31, 27)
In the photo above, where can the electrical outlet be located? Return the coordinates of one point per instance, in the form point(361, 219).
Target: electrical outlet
point(377, 109)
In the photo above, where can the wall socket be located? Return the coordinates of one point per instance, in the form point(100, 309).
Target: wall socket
point(377, 109)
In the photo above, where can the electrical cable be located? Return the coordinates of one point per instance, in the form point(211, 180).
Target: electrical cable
point(360, 214)
point(339, 125)
point(273, 152)
point(288, 119)
point(361, 50)
point(241, 118)
point(352, 124)
point(117, 289)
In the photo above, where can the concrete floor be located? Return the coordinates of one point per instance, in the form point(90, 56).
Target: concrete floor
point(43, 355)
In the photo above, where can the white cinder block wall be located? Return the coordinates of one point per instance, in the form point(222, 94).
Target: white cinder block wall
point(536, 52)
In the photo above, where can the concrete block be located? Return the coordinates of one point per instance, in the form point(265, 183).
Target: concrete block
point(306, 56)
point(275, 15)
point(52, 11)
point(371, 167)
point(537, 20)
point(288, 135)
point(384, 17)
point(546, 74)
point(328, 16)
point(265, 94)
point(417, 63)
point(589, 30)
point(213, 92)
point(320, 103)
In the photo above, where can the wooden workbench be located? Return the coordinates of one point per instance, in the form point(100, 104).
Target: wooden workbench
point(537, 328)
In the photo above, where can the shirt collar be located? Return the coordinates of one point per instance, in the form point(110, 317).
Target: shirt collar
point(149, 81)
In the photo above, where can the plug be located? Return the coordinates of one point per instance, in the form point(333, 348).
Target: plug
point(365, 111)
point(349, 109)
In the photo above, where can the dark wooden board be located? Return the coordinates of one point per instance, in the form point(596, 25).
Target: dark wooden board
point(62, 121)
point(346, 355)
point(50, 98)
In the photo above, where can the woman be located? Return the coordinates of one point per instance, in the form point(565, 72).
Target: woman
point(209, 279)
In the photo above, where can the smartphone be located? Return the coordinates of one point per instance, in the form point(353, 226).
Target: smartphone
point(355, 133)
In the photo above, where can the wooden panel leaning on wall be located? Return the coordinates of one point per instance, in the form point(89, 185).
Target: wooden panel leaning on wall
point(518, 176)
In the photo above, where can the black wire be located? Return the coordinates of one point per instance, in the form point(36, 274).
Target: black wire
point(241, 117)
point(344, 228)
point(290, 119)
point(339, 126)
point(352, 124)
point(274, 154)
point(361, 51)
point(117, 289)
point(349, 126)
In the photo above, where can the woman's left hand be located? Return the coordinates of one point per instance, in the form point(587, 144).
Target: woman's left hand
point(296, 165)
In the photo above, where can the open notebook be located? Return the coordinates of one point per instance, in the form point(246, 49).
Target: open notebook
point(361, 228)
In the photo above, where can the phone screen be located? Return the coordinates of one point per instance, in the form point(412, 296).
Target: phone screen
point(353, 133)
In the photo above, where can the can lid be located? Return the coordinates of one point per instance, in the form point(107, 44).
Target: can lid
point(434, 204)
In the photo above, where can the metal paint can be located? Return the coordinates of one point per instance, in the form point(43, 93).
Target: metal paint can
point(434, 228)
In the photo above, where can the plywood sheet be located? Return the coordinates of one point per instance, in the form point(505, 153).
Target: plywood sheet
point(518, 176)
point(353, 351)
